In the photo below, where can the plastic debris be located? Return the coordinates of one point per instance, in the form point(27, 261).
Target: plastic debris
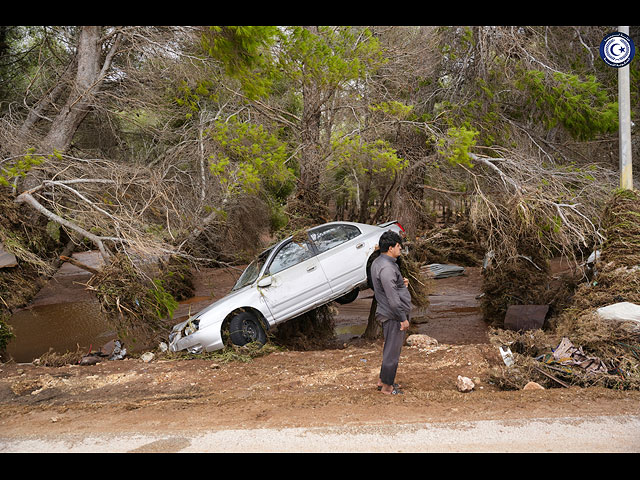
point(623, 311)
point(147, 357)
point(569, 355)
point(507, 356)
point(595, 256)
point(118, 352)
point(439, 270)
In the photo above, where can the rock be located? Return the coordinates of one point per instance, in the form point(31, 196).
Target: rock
point(421, 341)
point(7, 259)
point(533, 386)
point(147, 357)
point(465, 384)
point(115, 350)
point(92, 358)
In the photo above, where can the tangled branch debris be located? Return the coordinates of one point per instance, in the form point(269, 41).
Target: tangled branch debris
point(457, 244)
point(614, 344)
point(140, 305)
point(309, 331)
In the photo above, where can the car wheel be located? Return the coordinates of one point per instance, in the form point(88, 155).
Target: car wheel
point(246, 328)
point(348, 298)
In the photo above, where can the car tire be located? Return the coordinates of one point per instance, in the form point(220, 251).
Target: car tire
point(348, 298)
point(245, 328)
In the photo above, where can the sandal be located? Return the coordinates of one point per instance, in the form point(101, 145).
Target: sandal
point(395, 385)
point(395, 391)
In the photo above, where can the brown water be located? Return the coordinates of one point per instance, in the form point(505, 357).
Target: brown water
point(62, 327)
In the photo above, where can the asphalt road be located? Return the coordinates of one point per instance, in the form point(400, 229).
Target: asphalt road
point(605, 434)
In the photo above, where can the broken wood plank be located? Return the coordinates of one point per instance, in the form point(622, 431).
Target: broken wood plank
point(78, 264)
point(552, 377)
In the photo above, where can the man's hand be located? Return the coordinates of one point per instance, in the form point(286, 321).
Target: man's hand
point(406, 282)
point(404, 325)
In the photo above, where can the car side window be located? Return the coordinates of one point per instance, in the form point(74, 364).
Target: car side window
point(329, 237)
point(289, 255)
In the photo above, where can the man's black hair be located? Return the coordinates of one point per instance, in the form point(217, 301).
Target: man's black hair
point(389, 239)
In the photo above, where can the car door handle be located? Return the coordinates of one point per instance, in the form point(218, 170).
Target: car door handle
point(360, 245)
point(311, 269)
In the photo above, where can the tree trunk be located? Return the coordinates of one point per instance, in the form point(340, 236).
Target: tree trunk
point(310, 158)
point(373, 330)
point(308, 193)
point(89, 77)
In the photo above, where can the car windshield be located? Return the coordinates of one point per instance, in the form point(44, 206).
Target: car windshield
point(251, 273)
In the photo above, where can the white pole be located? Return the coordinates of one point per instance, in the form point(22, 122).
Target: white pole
point(624, 119)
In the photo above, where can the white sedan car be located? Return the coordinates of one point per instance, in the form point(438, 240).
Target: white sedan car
point(292, 277)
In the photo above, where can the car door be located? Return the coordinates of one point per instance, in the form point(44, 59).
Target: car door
point(297, 282)
point(342, 254)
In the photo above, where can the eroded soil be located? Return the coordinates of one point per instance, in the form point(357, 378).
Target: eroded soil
point(335, 386)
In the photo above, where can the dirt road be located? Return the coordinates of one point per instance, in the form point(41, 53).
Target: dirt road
point(320, 400)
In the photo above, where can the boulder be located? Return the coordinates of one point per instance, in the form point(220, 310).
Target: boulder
point(465, 384)
point(421, 341)
point(533, 386)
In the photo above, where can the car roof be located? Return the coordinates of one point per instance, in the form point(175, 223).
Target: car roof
point(337, 222)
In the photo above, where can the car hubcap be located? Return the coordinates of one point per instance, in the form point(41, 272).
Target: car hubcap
point(249, 331)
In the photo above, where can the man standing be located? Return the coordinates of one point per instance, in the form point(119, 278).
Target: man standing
point(394, 305)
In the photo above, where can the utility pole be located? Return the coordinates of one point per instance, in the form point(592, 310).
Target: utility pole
point(624, 121)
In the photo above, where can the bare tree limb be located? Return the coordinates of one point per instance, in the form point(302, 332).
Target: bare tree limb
point(27, 198)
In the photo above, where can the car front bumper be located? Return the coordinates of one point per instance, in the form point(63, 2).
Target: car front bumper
point(206, 339)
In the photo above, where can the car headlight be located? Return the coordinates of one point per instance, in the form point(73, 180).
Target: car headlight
point(191, 327)
point(183, 329)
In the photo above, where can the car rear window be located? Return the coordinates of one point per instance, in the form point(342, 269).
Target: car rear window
point(331, 236)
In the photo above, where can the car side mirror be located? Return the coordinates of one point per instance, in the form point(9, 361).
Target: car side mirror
point(264, 282)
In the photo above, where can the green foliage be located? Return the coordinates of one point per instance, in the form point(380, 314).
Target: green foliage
point(250, 160)
point(333, 57)
point(581, 105)
point(21, 166)
point(359, 166)
point(394, 109)
point(456, 146)
point(243, 50)
point(355, 154)
point(163, 302)
point(192, 98)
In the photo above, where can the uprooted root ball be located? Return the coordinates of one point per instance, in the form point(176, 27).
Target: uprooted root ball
point(138, 306)
point(309, 331)
point(616, 343)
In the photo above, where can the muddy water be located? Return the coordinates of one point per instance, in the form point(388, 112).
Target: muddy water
point(62, 327)
point(63, 316)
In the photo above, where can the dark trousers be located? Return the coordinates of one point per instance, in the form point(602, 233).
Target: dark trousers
point(393, 341)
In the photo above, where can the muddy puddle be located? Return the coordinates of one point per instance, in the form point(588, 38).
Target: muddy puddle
point(62, 327)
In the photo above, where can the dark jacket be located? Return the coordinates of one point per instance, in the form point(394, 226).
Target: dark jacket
point(394, 299)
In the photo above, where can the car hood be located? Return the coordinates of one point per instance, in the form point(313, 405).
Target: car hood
point(218, 310)
point(224, 302)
